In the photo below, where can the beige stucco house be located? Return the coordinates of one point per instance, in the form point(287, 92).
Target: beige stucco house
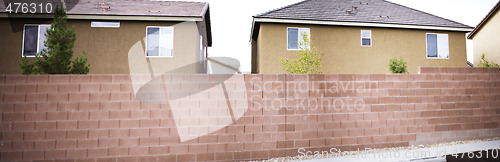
point(486, 37)
point(119, 37)
point(357, 36)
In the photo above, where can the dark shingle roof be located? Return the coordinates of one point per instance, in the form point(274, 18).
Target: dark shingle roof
point(133, 8)
point(143, 8)
point(368, 11)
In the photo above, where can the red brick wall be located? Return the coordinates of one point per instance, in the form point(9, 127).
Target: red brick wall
point(97, 117)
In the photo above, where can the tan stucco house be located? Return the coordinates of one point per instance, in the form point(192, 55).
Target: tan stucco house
point(357, 36)
point(486, 37)
point(136, 37)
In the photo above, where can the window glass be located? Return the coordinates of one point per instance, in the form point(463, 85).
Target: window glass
point(366, 42)
point(30, 40)
point(304, 31)
point(166, 41)
point(153, 41)
point(432, 45)
point(366, 33)
point(295, 38)
point(293, 35)
point(443, 49)
point(42, 37)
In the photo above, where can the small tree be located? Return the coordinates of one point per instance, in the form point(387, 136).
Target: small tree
point(397, 65)
point(56, 59)
point(309, 61)
point(485, 63)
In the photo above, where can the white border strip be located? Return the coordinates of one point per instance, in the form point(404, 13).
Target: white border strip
point(148, 18)
point(360, 24)
point(412, 155)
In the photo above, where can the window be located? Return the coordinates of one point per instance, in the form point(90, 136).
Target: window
point(99, 24)
point(366, 38)
point(160, 41)
point(437, 46)
point(34, 38)
point(202, 53)
point(202, 49)
point(294, 38)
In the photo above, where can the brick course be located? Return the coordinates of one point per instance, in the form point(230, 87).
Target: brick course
point(98, 117)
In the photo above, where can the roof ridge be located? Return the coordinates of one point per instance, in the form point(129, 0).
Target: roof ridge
point(426, 13)
point(280, 8)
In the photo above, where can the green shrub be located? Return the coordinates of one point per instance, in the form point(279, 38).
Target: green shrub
point(485, 63)
point(397, 66)
point(309, 61)
point(80, 65)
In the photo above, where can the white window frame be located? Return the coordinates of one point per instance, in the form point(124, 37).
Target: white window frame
point(105, 24)
point(201, 48)
point(437, 45)
point(299, 38)
point(370, 37)
point(37, 38)
point(202, 52)
point(173, 41)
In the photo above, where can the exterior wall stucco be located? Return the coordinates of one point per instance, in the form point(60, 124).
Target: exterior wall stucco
point(110, 50)
point(341, 50)
point(486, 40)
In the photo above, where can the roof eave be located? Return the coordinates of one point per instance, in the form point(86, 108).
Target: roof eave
point(108, 17)
point(485, 19)
point(208, 26)
point(363, 24)
point(253, 28)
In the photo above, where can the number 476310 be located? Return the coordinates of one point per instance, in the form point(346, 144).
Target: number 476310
point(29, 8)
point(493, 153)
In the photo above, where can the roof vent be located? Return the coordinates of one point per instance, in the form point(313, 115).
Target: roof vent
point(384, 16)
point(352, 10)
point(349, 11)
point(106, 8)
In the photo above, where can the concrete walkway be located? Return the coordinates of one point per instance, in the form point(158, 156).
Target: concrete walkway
point(434, 154)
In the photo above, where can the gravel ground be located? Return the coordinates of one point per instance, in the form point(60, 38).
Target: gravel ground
point(299, 158)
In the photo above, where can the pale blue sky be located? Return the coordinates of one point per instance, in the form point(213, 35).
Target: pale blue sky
point(232, 21)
